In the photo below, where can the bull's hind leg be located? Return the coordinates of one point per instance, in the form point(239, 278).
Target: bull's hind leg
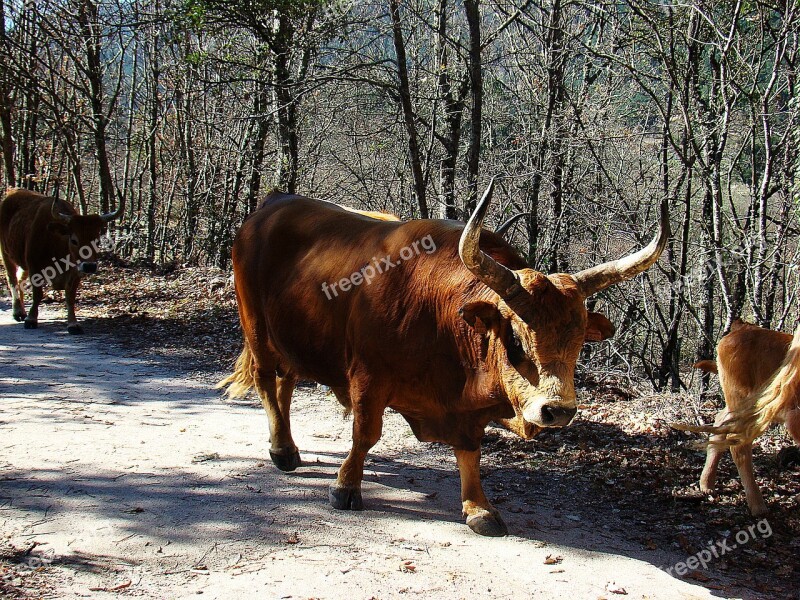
point(16, 289)
point(276, 397)
point(708, 478)
point(345, 493)
point(482, 517)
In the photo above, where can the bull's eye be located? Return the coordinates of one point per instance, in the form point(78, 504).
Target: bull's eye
point(73, 241)
point(516, 353)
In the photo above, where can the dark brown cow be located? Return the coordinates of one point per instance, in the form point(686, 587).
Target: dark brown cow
point(52, 244)
point(414, 316)
point(753, 363)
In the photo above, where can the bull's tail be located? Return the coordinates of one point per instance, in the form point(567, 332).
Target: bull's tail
point(709, 366)
point(242, 380)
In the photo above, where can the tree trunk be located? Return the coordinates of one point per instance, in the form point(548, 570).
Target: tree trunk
point(473, 12)
point(404, 90)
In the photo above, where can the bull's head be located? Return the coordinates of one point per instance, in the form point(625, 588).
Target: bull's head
point(536, 328)
point(83, 233)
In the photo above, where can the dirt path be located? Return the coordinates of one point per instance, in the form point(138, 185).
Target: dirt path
point(133, 475)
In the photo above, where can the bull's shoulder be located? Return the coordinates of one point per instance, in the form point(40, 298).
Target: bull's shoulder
point(32, 200)
point(276, 196)
point(449, 232)
point(15, 195)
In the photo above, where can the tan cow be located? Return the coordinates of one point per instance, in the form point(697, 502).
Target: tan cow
point(757, 370)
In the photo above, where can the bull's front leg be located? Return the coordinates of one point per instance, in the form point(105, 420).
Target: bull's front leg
point(16, 289)
point(70, 294)
point(32, 320)
point(482, 517)
point(345, 494)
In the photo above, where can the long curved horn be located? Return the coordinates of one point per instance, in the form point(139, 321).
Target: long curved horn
point(594, 279)
point(503, 229)
point(57, 214)
point(113, 216)
point(499, 278)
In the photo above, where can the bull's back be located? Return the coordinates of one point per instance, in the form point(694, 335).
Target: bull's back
point(283, 256)
point(748, 357)
point(25, 217)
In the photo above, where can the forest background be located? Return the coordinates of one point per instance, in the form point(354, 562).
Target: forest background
point(588, 113)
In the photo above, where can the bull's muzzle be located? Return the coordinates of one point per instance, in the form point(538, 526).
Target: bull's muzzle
point(549, 414)
point(87, 267)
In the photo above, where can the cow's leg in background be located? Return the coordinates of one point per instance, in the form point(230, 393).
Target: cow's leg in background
point(708, 478)
point(481, 516)
point(791, 454)
point(32, 320)
point(345, 494)
point(743, 457)
point(15, 287)
point(70, 293)
point(793, 424)
point(275, 393)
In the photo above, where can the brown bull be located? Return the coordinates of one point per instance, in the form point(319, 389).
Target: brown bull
point(759, 379)
point(53, 246)
point(418, 316)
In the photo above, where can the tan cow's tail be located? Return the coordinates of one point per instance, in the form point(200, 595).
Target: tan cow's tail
point(709, 366)
point(242, 380)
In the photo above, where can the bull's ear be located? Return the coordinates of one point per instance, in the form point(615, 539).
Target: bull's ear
point(598, 328)
point(58, 228)
point(481, 316)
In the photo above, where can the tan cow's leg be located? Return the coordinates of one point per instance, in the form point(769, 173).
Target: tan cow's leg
point(15, 287)
point(276, 395)
point(345, 493)
point(70, 293)
point(482, 517)
point(708, 478)
point(743, 457)
point(32, 320)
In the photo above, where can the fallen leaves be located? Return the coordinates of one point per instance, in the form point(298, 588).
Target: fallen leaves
point(201, 458)
point(293, 539)
point(553, 560)
point(408, 566)
point(133, 511)
point(116, 588)
point(613, 588)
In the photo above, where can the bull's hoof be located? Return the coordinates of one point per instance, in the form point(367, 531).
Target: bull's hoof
point(286, 461)
point(19, 317)
point(74, 329)
point(31, 324)
point(487, 524)
point(345, 498)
